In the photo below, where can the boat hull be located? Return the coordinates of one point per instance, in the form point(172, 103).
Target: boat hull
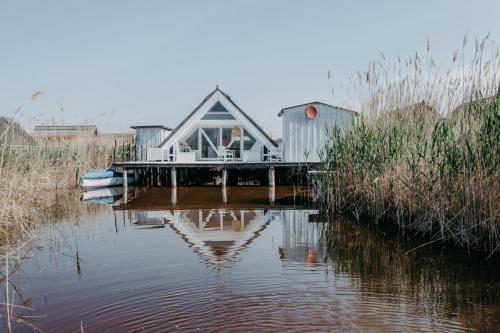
point(104, 182)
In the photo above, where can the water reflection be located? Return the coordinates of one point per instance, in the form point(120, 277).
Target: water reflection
point(203, 259)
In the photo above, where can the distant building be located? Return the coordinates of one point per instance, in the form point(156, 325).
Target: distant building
point(59, 133)
point(305, 129)
point(148, 136)
point(11, 133)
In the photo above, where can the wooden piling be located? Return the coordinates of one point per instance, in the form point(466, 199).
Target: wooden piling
point(174, 195)
point(272, 181)
point(272, 195)
point(173, 181)
point(158, 177)
point(224, 177)
point(224, 194)
point(125, 185)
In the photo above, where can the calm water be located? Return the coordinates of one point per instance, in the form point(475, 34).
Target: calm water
point(244, 260)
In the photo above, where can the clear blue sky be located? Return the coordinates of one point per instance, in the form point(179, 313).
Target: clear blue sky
point(145, 62)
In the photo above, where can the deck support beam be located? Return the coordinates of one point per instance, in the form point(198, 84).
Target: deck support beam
point(173, 174)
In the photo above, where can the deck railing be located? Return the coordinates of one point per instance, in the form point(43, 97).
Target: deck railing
point(164, 155)
point(158, 154)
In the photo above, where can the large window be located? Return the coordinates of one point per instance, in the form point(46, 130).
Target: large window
point(210, 142)
point(248, 141)
point(191, 143)
point(231, 139)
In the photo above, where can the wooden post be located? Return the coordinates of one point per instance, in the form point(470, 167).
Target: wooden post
point(173, 181)
point(221, 220)
point(158, 177)
point(272, 195)
point(224, 194)
point(174, 195)
point(125, 185)
point(136, 177)
point(272, 182)
point(224, 177)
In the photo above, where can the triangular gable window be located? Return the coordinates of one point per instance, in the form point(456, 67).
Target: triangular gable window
point(218, 107)
point(218, 112)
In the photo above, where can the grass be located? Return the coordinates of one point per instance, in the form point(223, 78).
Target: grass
point(431, 167)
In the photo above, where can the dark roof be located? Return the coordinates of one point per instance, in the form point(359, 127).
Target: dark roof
point(65, 128)
point(233, 103)
point(152, 126)
point(306, 104)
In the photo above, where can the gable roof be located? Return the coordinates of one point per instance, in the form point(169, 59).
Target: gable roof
point(282, 111)
point(152, 126)
point(181, 124)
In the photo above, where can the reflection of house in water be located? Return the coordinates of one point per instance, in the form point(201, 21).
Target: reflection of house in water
point(150, 218)
point(218, 235)
point(301, 237)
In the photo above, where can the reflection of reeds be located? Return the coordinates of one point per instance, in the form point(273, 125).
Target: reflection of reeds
point(431, 168)
point(436, 279)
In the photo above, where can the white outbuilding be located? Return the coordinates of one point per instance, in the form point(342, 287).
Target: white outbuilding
point(148, 136)
point(305, 129)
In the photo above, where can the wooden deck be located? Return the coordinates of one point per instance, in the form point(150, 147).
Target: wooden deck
point(151, 173)
point(213, 164)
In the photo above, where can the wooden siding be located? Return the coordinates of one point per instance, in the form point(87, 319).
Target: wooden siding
point(304, 139)
point(148, 137)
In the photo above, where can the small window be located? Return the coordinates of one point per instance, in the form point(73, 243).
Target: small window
point(218, 116)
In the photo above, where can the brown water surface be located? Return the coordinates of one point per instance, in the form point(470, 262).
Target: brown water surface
point(249, 259)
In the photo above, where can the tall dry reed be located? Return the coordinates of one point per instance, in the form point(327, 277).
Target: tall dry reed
point(425, 151)
point(38, 181)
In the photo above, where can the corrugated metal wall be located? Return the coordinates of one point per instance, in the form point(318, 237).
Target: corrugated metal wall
point(147, 138)
point(304, 138)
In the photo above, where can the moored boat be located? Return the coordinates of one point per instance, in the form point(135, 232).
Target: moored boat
point(103, 178)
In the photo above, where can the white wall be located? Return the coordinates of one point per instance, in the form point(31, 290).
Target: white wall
point(304, 138)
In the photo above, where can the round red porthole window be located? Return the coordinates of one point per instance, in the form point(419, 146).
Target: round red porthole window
point(311, 112)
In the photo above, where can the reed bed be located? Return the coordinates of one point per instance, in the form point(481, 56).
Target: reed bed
point(425, 151)
point(40, 181)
